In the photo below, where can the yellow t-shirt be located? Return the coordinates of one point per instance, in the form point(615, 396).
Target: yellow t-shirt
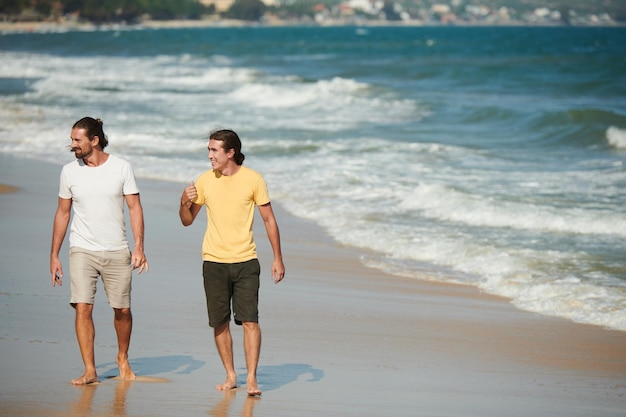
point(230, 201)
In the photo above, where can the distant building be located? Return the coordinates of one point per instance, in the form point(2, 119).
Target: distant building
point(440, 8)
point(224, 5)
point(220, 5)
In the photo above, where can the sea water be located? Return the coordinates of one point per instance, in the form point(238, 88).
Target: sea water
point(489, 156)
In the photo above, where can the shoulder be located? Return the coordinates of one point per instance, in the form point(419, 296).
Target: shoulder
point(253, 179)
point(117, 161)
point(248, 177)
point(118, 166)
point(206, 175)
point(72, 166)
point(250, 173)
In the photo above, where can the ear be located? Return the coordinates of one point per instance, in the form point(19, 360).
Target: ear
point(95, 141)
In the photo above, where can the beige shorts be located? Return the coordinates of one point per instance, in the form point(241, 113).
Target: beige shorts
point(112, 266)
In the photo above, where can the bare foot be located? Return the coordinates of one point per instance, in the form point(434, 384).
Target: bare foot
point(228, 385)
point(126, 373)
point(85, 379)
point(253, 389)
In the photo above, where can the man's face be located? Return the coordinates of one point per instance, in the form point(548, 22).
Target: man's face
point(81, 145)
point(218, 157)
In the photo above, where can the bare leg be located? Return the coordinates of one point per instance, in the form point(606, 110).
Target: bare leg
point(224, 343)
point(252, 347)
point(85, 333)
point(123, 322)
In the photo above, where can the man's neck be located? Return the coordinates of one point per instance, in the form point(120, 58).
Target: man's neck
point(231, 169)
point(96, 158)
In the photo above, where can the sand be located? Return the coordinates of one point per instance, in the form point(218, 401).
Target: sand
point(339, 339)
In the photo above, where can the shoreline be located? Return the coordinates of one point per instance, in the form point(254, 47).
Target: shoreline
point(66, 26)
point(440, 349)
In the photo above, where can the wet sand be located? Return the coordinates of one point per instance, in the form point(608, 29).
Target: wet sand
point(338, 338)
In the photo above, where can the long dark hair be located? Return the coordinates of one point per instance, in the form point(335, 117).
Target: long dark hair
point(93, 127)
point(230, 140)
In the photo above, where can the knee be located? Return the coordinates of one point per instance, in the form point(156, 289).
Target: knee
point(122, 314)
point(221, 328)
point(251, 326)
point(83, 310)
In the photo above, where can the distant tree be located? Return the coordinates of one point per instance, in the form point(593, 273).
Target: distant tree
point(174, 9)
point(11, 7)
point(131, 10)
point(40, 8)
point(99, 11)
point(619, 13)
point(389, 11)
point(251, 10)
point(300, 8)
point(73, 6)
point(564, 11)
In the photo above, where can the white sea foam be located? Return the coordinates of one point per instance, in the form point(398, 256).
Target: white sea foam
point(616, 137)
point(201, 89)
point(403, 203)
point(444, 203)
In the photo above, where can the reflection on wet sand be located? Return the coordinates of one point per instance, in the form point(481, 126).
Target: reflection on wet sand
point(90, 405)
point(222, 408)
point(84, 406)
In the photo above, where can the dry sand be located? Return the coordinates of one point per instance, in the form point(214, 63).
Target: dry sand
point(339, 339)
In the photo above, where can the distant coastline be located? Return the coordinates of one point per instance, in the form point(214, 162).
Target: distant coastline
point(50, 26)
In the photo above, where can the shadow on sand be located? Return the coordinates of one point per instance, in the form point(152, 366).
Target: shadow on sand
point(179, 364)
point(274, 377)
point(270, 377)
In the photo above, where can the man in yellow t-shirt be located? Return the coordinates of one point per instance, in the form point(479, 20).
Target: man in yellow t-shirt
point(229, 192)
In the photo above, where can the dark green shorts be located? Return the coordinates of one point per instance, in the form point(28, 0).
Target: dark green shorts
point(239, 283)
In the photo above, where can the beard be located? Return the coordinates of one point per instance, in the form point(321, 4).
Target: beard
point(80, 154)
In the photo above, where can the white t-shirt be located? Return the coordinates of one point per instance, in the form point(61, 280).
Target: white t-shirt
point(97, 195)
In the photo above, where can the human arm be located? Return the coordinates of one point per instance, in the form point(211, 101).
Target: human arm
point(135, 211)
point(273, 234)
point(59, 229)
point(188, 210)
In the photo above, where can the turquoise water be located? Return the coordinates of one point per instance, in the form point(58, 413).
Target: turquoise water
point(488, 156)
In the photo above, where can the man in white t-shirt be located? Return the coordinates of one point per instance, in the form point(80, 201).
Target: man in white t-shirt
point(96, 186)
